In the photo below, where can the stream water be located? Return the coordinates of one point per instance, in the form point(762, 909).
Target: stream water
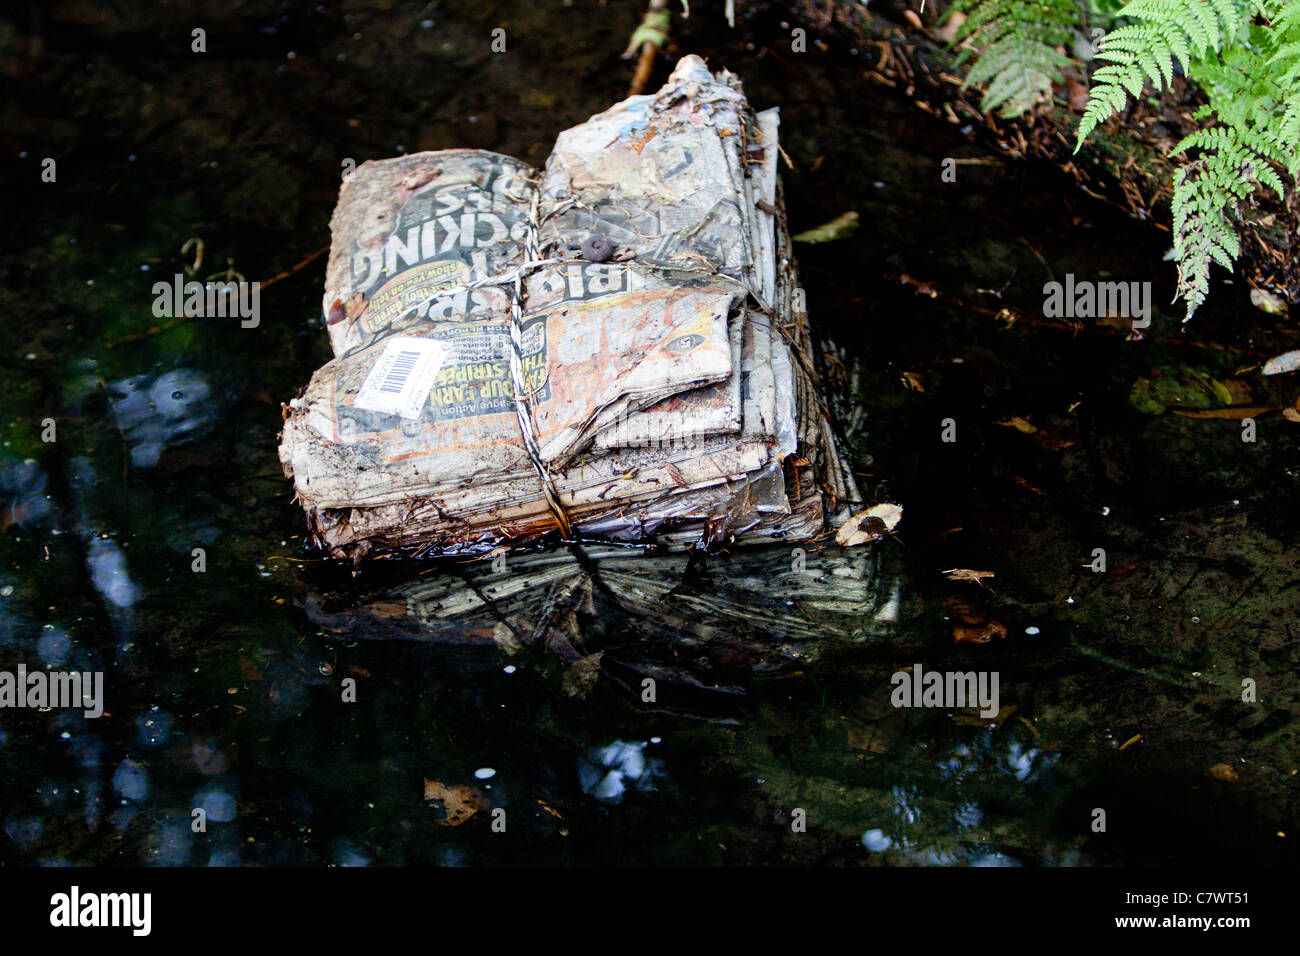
point(1120, 692)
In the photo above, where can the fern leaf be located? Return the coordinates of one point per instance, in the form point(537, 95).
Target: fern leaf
point(1144, 51)
point(1016, 47)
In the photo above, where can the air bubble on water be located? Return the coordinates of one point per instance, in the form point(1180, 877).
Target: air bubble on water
point(1105, 509)
point(510, 668)
point(485, 773)
point(1031, 630)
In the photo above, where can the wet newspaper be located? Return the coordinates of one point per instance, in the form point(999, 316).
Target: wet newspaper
point(612, 347)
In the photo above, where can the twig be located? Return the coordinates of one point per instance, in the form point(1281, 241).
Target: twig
point(652, 34)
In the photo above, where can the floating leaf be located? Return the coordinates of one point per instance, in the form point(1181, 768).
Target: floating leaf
point(1268, 302)
point(1286, 362)
point(869, 525)
point(841, 227)
point(453, 805)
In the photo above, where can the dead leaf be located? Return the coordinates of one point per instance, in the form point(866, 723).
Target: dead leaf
point(1280, 364)
point(1233, 413)
point(869, 525)
point(1223, 771)
point(581, 676)
point(945, 33)
point(453, 805)
point(1021, 425)
point(966, 574)
point(978, 633)
point(1268, 302)
point(1077, 94)
point(1054, 439)
point(1029, 486)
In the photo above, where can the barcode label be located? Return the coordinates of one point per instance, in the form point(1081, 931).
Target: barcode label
point(400, 371)
point(400, 380)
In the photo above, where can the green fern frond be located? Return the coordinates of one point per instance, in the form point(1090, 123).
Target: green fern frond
point(1015, 44)
point(1244, 55)
point(1207, 194)
point(1168, 30)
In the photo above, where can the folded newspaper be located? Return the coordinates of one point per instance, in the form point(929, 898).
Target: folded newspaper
point(614, 347)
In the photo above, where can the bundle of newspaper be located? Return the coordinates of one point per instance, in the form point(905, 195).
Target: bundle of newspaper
point(614, 347)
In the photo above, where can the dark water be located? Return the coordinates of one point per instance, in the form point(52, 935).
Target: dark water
point(224, 693)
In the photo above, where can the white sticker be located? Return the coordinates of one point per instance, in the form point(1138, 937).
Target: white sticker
point(399, 383)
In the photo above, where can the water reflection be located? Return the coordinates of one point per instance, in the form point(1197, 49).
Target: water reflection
point(156, 412)
point(951, 826)
point(22, 488)
point(609, 772)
